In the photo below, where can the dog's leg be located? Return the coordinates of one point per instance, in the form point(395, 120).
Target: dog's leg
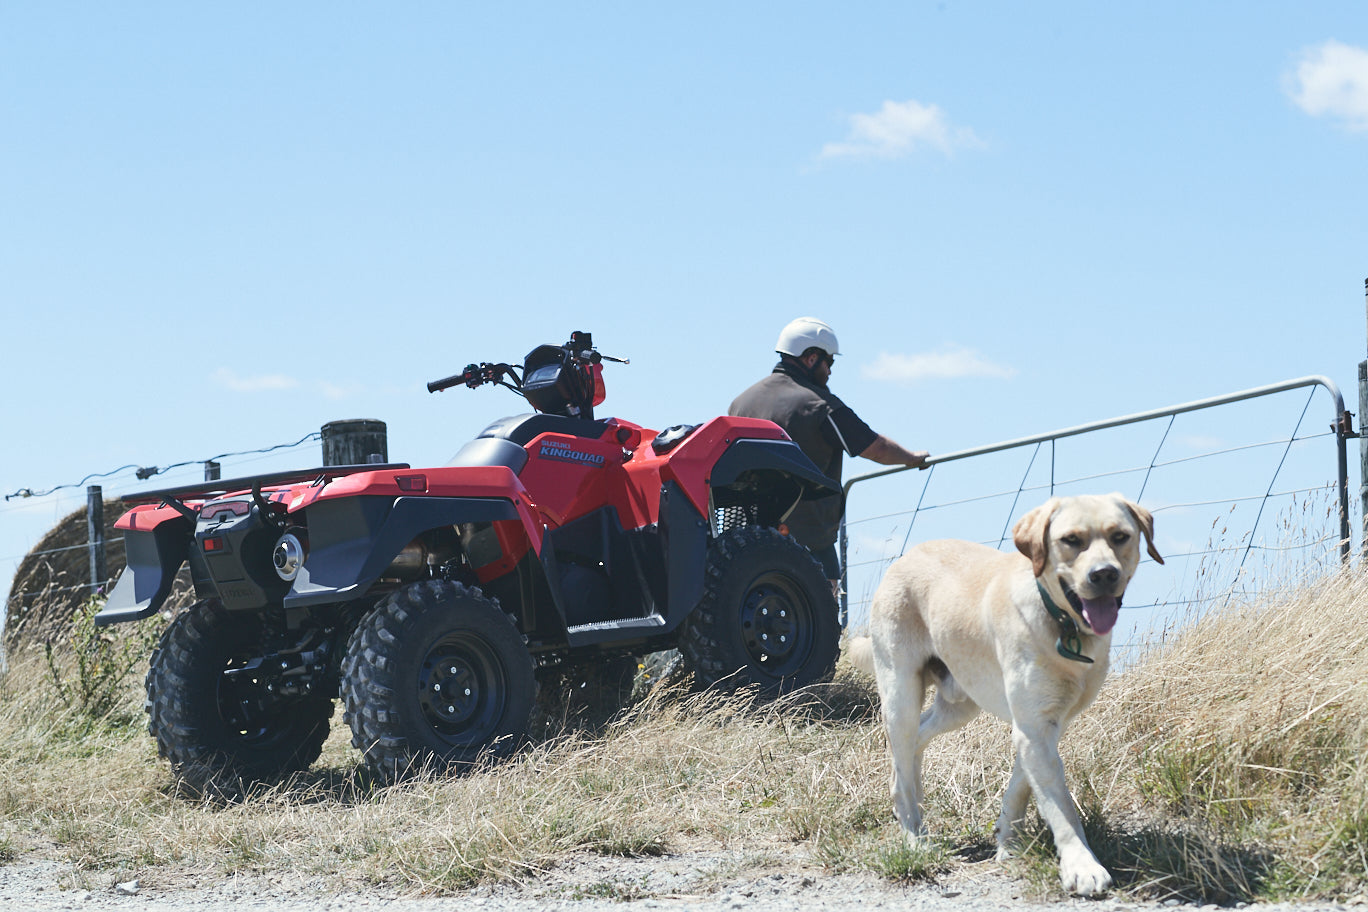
point(951, 709)
point(1014, 801)
point(902, 716)
point(1037, 749)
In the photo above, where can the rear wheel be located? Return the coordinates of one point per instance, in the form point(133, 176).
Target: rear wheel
point(214, 716)
point(435, 675)
point(767, 617)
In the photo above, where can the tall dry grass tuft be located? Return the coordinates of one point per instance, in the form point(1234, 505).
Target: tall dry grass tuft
point(1227, 764)
point(1235, 753)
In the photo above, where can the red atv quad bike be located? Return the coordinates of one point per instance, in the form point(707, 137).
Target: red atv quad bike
point(432, 599)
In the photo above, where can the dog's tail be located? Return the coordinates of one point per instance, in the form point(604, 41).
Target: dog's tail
point(860, 651)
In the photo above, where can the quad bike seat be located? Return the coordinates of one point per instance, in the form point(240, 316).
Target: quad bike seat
point(502, 442)
point(521, 429)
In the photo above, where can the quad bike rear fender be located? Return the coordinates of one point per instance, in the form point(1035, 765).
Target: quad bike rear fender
point(156, 544)
point(353, 541)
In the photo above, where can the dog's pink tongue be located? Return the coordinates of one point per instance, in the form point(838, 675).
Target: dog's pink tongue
point(1100, 613)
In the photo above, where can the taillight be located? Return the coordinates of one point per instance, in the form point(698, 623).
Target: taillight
point(214, 544)
point(218, 512)
point(411, 482)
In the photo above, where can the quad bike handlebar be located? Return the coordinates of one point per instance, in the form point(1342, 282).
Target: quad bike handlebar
point(474, 375)
point(578, 355)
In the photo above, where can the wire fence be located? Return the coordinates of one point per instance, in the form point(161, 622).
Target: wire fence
point(142, 473)
point(1239, 510)
point(65, 570)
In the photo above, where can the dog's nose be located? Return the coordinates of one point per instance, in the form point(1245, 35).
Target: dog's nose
point(1104, 576)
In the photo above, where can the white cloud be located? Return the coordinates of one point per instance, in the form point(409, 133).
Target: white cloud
point(1332, 81)
point(949, 362)
point(898, 128)
point(270, 383)
point(263, 383)
point(336, 391)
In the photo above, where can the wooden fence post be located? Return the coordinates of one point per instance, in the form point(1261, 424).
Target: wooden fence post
point(354, 442)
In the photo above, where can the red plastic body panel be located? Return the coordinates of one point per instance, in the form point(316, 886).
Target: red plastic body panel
point(571, 475)
point(146, 517)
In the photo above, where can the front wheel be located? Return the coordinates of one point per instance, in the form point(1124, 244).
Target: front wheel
point(214, 713)
point(435, 675)
point(767, 618)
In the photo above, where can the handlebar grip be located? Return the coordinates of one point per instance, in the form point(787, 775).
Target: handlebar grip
point(436, 386)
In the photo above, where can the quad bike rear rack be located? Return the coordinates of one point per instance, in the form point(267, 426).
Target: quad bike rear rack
point(207, 490)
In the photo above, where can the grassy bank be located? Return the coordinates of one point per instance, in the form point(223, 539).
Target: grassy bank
point(1228, 764)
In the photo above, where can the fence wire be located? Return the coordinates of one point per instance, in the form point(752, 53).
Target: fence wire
point(58, 495)
point(143, 473)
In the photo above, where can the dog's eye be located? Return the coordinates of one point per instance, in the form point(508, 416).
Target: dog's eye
point(1120, 538)
point(1072, 540)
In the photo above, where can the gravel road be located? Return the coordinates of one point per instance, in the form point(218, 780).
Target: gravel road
point(582, 884)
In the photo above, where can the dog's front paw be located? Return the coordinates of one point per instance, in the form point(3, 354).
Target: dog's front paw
point(1008, 839)
point(1084, 876)
point(919, 840)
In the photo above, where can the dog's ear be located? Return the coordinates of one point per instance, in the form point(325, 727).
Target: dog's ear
point(1146, 523)
point(1031, 534)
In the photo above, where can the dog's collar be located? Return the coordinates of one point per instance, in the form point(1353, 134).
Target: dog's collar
point(1069, 643)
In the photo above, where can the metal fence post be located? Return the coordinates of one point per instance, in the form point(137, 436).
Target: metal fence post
point(1363, 453)
point(1363, 440)
point(843, 609)
point(95, 535)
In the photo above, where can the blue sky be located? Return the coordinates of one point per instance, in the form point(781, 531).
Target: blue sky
point(223, 226)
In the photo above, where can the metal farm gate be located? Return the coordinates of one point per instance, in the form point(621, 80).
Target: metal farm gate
point(1313, 531)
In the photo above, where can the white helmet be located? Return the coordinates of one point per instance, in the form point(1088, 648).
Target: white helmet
point(804, 333)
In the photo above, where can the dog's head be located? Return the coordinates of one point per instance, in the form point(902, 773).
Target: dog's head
point(1089, 546)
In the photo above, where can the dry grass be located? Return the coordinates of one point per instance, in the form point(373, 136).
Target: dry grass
point(1227, 765)
point(1241, 743)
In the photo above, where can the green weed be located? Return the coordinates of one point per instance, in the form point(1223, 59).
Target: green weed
point(103, 658)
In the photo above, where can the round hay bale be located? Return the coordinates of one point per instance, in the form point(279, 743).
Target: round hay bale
point(53, 579)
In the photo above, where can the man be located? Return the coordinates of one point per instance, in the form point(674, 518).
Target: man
point(795, 397)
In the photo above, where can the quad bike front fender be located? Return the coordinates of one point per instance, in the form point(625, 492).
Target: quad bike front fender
point(353, 540)
point(783, 457)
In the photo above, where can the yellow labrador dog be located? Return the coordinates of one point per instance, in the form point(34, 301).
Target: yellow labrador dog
point(1023, 636)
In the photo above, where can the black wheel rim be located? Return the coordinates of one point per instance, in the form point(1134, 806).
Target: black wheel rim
point(777, 624)
point(462, 689)
point(250, 712)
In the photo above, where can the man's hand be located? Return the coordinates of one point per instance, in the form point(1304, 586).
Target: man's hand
point(889, 452)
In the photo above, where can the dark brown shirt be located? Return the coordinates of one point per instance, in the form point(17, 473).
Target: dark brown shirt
point(823, 426)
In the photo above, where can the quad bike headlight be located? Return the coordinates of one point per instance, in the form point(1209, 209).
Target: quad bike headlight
point(288, 556)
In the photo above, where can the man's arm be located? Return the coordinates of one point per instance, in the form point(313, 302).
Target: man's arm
point(890, 452)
